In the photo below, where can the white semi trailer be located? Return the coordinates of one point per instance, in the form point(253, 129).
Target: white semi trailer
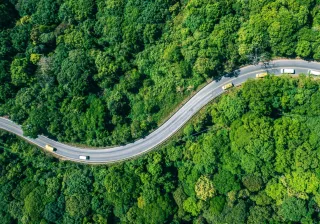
point(313, 72)
point(287, 70)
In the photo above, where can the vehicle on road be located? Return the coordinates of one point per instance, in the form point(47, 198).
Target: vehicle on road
point(313, 72)
point(287, 70)
point(84, 157)
point(227, 86)
point(261, 75)
point(50, 148)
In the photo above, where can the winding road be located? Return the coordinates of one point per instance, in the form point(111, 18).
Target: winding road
point(171, 126)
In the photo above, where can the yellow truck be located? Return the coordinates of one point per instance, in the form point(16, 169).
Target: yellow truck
point(227, 86)
point(261, 75)
point(50, 148)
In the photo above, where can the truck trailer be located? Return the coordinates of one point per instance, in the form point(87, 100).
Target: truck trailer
point(313, 72)
point(287, 70)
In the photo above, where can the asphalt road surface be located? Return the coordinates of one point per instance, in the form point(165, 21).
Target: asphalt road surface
point(171, 126)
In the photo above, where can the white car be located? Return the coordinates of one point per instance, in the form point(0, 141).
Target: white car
point(84, 157)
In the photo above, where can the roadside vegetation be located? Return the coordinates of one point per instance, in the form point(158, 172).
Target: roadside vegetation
point(250, 157)
point(106, 72)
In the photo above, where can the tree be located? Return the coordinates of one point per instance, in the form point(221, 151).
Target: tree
point(154, 212)
point(71, 9)
point(259, 215)
point(190, 205)
point(52, 212)
point(303, 49)
point(20, 70)
point(120, 188)
point(230, 109)
point(118, 104)
point(7, 14)
point(20, 34)
point(36, 123)
point(216, 206)
point(292, 209)
point(235, 214)
point(78, 205)
point(204, 188)
point(46, 12)
point(252, 183)
point(33, 204)
point(75, 76)
point(76, 182)
point(224, 181)
point(5, 87)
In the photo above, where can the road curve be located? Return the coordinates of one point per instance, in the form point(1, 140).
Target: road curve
point(171, 126)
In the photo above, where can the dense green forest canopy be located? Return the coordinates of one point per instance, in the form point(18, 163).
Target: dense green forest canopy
point(106, 72)
point(251, 157)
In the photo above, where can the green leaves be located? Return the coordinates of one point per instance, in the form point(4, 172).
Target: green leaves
point(75, 74)
point(224, 181)
point(190, 205)
point(20, 72)
point(257, 167)
point(140, 59)
point(107, 72)
point(252, 183)
point(76, 10)
point(204, 188)
point(33, 205)
point(228, 110)
point(292, 209)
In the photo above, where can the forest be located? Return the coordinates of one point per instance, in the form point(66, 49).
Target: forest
point(252, 156)
point(107, 72)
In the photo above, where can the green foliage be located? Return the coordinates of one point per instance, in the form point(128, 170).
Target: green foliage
point(78, 10)
point(108, 72)
point(74, 76)
point(204, 188)
point(230, 109)
point(292, 209)
point(139, 59)
point(224, 181)
point(258, 168)
point(33, 204)
point(252, 183)
point(19, 71)
point(7, 14)
point(78, 205)
point(216, 206)
point(258, 215)
point(192, 206)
